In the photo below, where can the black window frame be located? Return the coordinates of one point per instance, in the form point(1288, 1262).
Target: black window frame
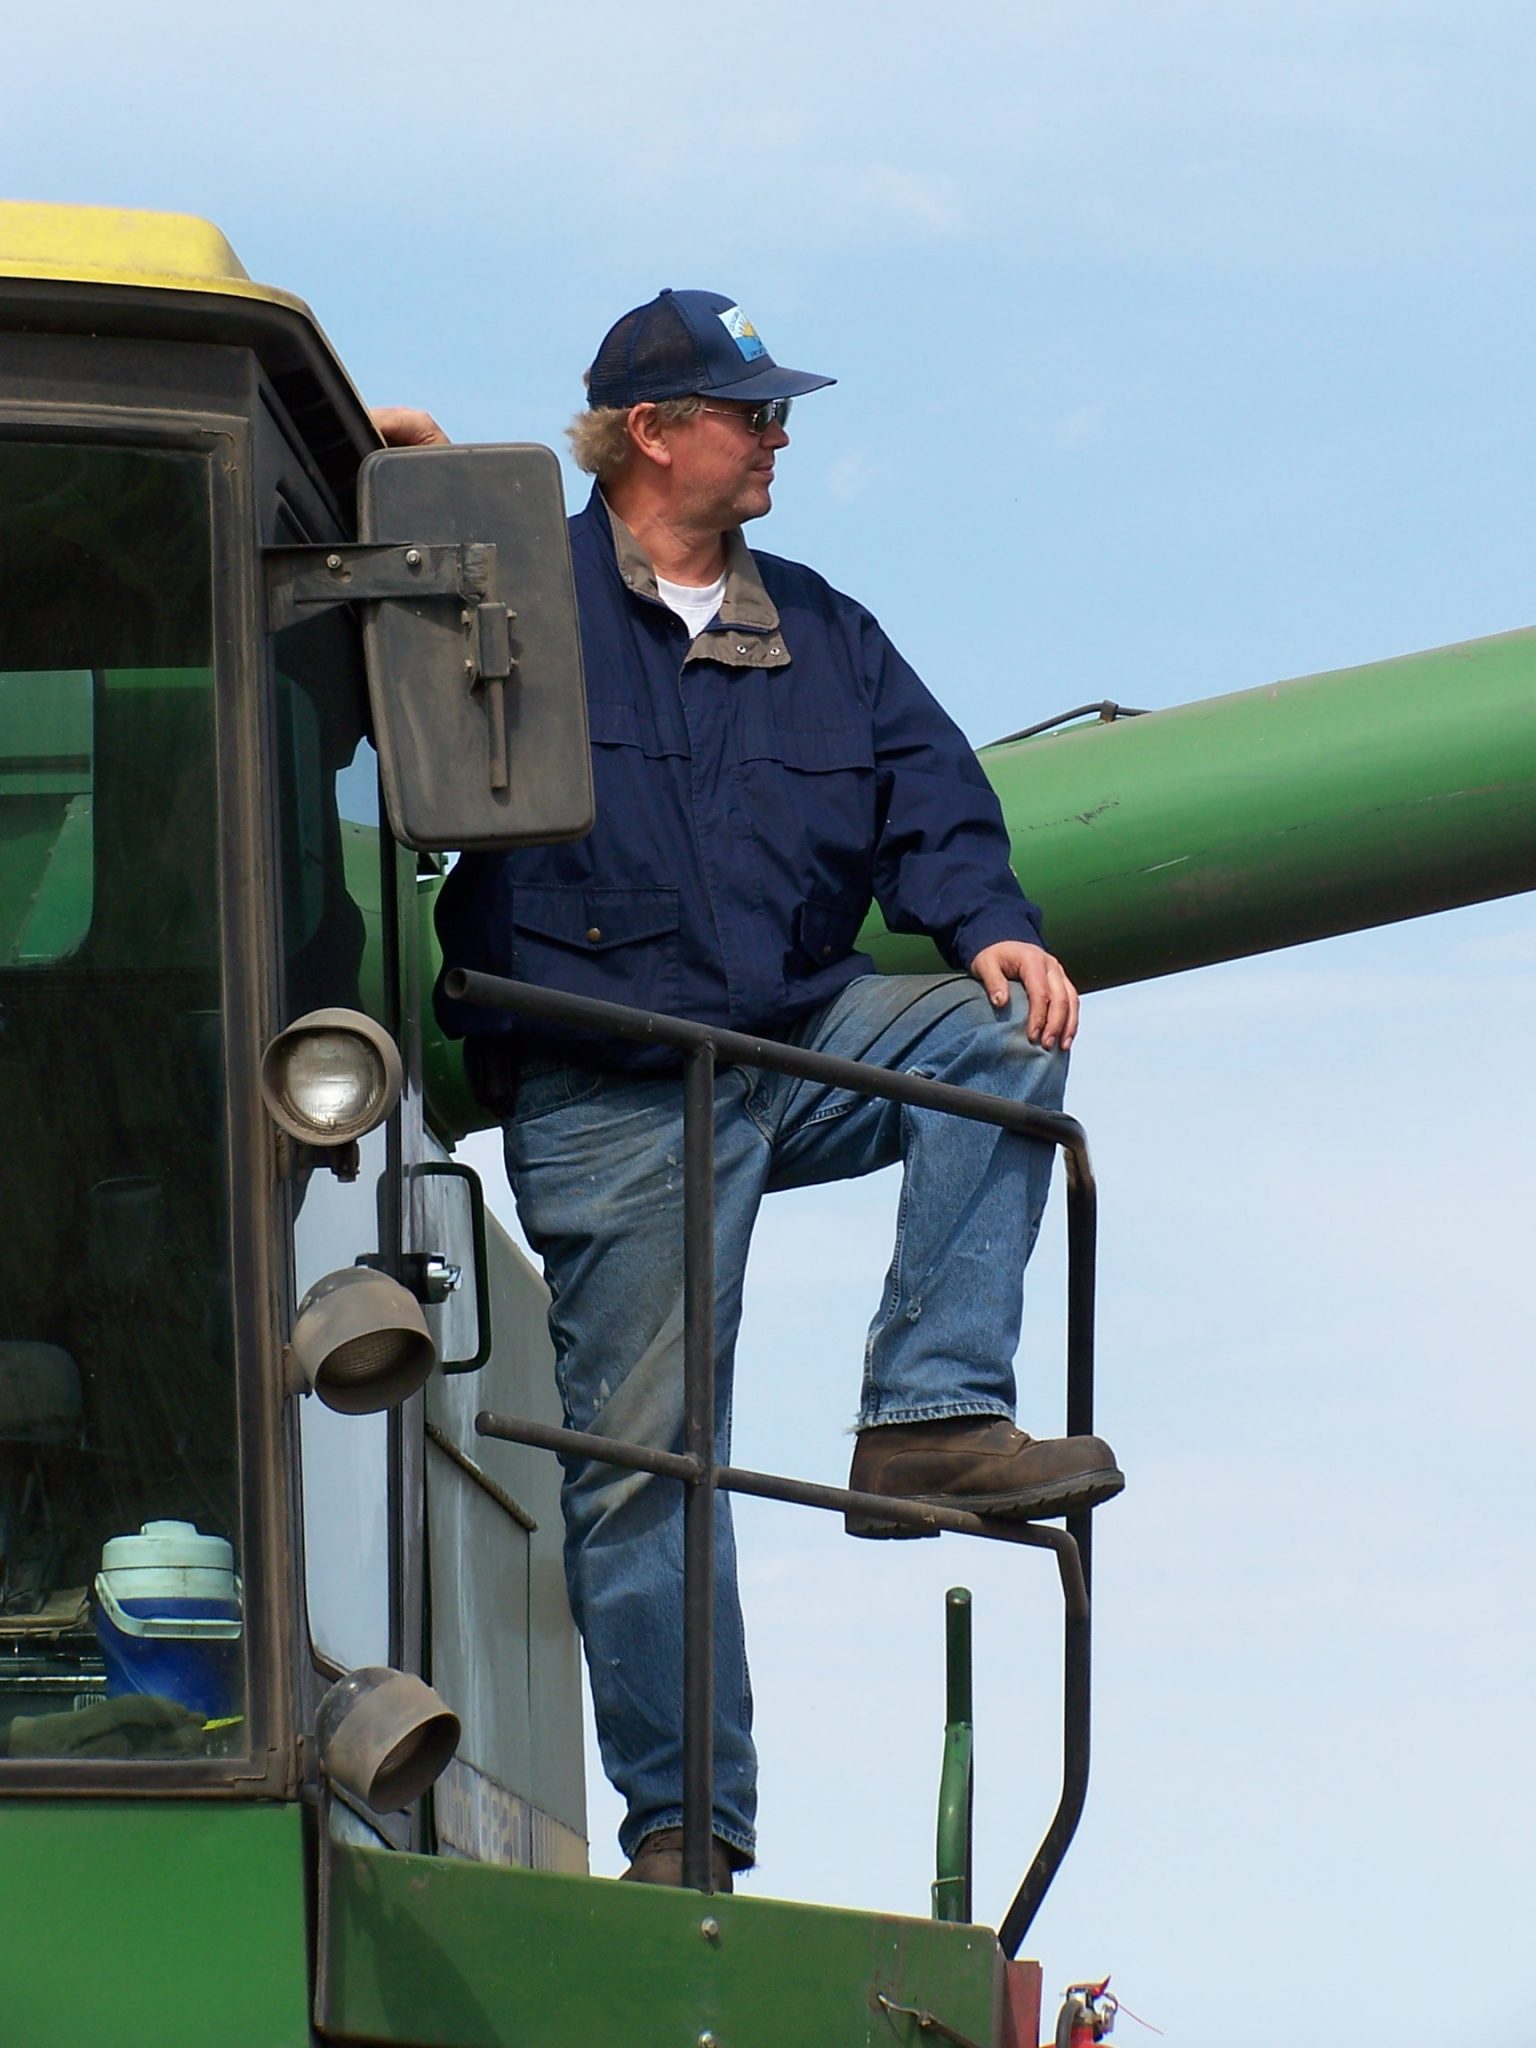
point(185, 398)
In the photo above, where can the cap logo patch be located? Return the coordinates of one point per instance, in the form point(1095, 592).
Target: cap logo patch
point(743, 333)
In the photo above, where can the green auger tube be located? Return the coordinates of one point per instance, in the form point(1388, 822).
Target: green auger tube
point(1240, 824)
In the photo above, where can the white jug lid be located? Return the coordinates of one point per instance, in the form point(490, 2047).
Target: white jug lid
point(175, 1545)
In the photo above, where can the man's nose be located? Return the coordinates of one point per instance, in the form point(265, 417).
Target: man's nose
point(777, 435)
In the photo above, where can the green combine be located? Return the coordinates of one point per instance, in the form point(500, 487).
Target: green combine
point(290, 1715)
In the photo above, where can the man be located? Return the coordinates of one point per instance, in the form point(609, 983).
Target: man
point(765, 763)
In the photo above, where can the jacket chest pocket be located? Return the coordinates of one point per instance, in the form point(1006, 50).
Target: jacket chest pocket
point(618, 944)
point(847, 749)
point(628, 726)
point(815, 807)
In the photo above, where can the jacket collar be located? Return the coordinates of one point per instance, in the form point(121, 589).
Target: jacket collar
point(747, 633)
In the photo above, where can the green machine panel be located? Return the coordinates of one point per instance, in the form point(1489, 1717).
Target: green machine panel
point(457, 1955)
point(148, 1925)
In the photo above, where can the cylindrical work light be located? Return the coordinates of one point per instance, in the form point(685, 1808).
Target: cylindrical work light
point(360, 1341)
point(384, 1737)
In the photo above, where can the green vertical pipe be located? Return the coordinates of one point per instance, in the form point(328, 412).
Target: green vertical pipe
point(1243, 823)
point(952, 1882)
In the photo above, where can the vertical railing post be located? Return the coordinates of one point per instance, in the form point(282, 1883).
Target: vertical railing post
point(1077, 1648)
point(1082, 1261)
point(699, 1443)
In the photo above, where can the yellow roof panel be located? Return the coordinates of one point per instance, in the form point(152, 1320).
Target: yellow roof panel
point(116, 245)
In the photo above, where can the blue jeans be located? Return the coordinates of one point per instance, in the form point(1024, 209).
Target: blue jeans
point(596, 1164)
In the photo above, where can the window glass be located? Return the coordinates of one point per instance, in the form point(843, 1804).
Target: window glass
point(46, 742)
point(333, 956)
point(121, 1606)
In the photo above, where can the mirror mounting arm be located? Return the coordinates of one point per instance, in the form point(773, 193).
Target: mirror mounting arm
point(304, 580)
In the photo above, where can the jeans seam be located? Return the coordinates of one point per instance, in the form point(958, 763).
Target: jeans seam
point(739, 1838)
point(950, 1412)
point(887, 1312)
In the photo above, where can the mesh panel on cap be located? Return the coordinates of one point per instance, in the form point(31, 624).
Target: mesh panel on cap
point(648, 354)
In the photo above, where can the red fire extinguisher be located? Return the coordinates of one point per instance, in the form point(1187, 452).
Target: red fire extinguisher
point(1087, 2015)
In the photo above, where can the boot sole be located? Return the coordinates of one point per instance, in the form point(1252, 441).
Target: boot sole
point(1025, 1504)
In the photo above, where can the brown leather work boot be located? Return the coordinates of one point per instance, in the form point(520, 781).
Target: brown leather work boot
point(980, 1463)
point(659, 1860)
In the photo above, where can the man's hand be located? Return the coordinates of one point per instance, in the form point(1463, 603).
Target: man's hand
point(1053, 1002)
point(404, 426)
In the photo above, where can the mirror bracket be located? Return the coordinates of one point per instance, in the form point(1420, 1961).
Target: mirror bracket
point(304, 580)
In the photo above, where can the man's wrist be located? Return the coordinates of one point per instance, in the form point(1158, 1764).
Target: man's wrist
point(977, 934)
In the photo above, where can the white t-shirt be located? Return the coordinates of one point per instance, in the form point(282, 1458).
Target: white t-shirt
point(694, 605)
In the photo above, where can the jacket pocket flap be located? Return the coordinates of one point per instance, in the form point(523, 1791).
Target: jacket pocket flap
point(623, 725)
point(817, 750)
point(826, 931)
point(594, 919)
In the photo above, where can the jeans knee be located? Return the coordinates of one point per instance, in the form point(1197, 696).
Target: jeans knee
point(604, 1504)
point(999, 1058)
point(1046, 1073)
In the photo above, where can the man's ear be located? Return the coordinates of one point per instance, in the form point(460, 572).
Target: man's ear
point(647, 436)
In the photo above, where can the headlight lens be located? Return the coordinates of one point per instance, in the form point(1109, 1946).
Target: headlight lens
point(331, 1077)
point(333, 1081)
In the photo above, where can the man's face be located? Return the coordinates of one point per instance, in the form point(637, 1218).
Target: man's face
point(722, 472)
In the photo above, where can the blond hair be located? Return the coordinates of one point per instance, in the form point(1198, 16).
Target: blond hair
point(599, 437)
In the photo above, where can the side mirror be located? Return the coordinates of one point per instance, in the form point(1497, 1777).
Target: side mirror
point(479, 706)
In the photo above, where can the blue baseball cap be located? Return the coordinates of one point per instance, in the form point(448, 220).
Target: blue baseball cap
point(683, 343)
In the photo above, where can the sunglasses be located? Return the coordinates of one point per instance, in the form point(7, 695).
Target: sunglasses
point(757, 419)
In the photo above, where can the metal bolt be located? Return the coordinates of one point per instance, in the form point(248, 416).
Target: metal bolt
point(710, 1929)
point(466, 618)
point(333, 561)
point(413, 558)
point(469, 666)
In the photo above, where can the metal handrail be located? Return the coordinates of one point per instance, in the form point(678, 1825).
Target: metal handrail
point(696, 1467)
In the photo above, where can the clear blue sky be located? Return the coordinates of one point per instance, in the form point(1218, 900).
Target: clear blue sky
point(1182, 345)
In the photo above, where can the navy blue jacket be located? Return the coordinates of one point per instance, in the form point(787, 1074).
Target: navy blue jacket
point(756, 788)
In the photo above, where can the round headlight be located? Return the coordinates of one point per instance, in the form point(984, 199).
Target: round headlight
point(332, 1081)
point(331, 1077)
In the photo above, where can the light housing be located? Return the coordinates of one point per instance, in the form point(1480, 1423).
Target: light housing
point(384, 1737)
point(360, 1341)
point(331, 1077)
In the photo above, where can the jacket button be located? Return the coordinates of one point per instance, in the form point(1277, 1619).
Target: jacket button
point(594, 935)
point(825, 952)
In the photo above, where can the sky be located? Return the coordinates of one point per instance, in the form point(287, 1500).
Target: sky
point(1182, 346)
